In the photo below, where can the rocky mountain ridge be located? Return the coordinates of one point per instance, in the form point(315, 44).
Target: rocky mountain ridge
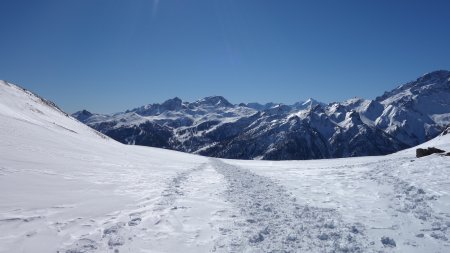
point(404, 117)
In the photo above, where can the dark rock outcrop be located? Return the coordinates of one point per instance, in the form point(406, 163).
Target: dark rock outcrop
point(421, 152)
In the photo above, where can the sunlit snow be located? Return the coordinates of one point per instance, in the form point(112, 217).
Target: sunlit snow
point(67, 188)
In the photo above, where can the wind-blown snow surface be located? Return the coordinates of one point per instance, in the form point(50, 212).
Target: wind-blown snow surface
point(65, 187)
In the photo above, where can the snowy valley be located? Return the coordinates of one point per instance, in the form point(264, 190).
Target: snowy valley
point(68, 188)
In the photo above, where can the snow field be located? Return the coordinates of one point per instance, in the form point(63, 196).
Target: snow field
point(66, 188)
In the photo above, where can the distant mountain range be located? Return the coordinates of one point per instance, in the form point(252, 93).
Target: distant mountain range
point(404, 117)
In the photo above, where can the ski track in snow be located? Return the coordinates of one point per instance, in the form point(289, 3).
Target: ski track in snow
point(268, 219)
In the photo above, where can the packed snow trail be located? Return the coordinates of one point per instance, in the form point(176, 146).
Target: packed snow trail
point(410, 199)
point(269, 219)
point(223, 208)
point(402, 201)
point(187, 215)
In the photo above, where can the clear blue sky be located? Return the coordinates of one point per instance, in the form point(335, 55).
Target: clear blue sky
point(112, 55)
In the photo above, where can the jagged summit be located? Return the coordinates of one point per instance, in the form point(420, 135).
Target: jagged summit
point(177, 105)
point(172, 104)
point(308, 104)
point(260, 107)
point(311, 102)
point(213, 101)
point(83, 112)
point(278, 109)
point(82, 115)
point(435, 81)
point(435, 75)
point(352, 118)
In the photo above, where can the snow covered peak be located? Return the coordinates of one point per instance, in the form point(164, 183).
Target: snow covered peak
point(260, 107)
point(428, 95)
point(82, 115)
point(406, 116)
point(310, 102)
point(353, 101)
point(434, 82)
point(307, 105)
point(85, 112)
point(352, 118)
point(218, 101)
point(278, 109)
point(435, 75)
point(172, 104)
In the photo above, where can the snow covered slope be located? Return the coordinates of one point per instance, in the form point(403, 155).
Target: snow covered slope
point(404, 117)
point(62, 183)
point(66, 188)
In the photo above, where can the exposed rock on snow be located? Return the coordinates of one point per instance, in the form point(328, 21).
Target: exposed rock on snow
point(421, 152)
point(388, 242)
